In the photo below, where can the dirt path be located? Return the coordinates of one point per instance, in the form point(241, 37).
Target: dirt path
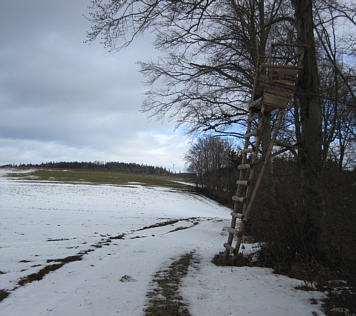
point(164, 297)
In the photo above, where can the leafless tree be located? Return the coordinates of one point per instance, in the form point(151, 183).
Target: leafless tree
point(213, 48)
point(338, 119)
point(212, 51)
point(207, 157)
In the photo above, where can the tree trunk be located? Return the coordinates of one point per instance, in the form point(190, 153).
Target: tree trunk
point(266, 139)
point(266, 131)
point(311, 138)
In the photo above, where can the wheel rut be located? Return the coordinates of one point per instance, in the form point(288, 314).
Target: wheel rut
point(55, 264)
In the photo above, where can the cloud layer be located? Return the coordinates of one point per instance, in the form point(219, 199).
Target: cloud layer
point(63, 99)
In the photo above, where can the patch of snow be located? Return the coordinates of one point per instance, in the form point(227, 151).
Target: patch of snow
point(45, 221)
point(243, 291)
point(185, 183)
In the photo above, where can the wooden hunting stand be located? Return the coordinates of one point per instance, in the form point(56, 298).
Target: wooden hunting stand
point(273, 88)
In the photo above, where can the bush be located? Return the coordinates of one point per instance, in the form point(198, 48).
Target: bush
point(280, 221)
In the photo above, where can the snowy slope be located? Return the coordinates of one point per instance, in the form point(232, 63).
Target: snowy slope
point(42, 223)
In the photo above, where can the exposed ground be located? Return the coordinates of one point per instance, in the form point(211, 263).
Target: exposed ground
point(164, 297)
point(99, 177)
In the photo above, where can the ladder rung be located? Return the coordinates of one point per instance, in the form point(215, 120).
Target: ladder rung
point(231, 230)
point(248, 135)
point(293, 44)
point(244, 166)
point(238, 198)
point(247, 151)
point(228, 247)
point(237, 215)
point(242, 182)
point(291, 67)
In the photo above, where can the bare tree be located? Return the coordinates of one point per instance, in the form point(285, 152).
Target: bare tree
point(213, 49)
point(212, 52)
point(335, 23)
point(207, 157)
point(338, 119)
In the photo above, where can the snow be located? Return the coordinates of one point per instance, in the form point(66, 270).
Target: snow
point(40, 221)
point(185, 183)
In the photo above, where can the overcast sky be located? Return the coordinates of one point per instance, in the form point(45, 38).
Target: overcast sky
point(64, 100)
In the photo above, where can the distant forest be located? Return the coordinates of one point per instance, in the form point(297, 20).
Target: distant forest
point(98, 165)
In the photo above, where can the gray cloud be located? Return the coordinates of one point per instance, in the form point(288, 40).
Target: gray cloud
point(63, 99)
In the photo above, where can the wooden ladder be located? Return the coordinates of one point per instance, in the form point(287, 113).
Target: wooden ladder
point(273, 88)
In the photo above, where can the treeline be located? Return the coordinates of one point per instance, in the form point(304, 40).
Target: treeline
point(278, 217)
point(213, 160)
point(98, 165)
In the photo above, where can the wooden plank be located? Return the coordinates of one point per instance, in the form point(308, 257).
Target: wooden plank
point(275, 101)
point(244, 166)
point(236, 215)
point(238, 198)
point(285, 85)
point(231, 230)
point(277, 66)
point(282, 74)
point(294, 44)
point(272, 98)
point(242, 182)
point(278, 92)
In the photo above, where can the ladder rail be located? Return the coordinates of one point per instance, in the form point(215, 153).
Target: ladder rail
point(245, 176)
point(258, 183)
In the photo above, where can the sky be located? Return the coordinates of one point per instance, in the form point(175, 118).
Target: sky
point(62, 99)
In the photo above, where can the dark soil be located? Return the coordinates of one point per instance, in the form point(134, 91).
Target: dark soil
point(166, 223)
point(182, 228)
point(3, 294)
point(138, 237)
point(164, 298)
point(60, 239)
point(239, 261)
point(40, 274)
point(121, 236)
point(171, 222)
point(340, 301)
point(67, 259)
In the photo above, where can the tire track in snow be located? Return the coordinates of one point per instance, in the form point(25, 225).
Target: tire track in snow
point(59, 263)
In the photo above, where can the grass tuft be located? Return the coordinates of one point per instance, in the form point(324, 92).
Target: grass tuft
point(164, 298)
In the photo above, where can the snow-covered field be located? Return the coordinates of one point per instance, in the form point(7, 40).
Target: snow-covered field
point(42, 223)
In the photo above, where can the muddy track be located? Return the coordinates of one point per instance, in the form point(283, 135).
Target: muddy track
point(166, 223)
point(59, 263)
point(164, 297)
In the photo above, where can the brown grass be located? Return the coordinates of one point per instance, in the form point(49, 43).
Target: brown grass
point(3, 294)
point(164, 298)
